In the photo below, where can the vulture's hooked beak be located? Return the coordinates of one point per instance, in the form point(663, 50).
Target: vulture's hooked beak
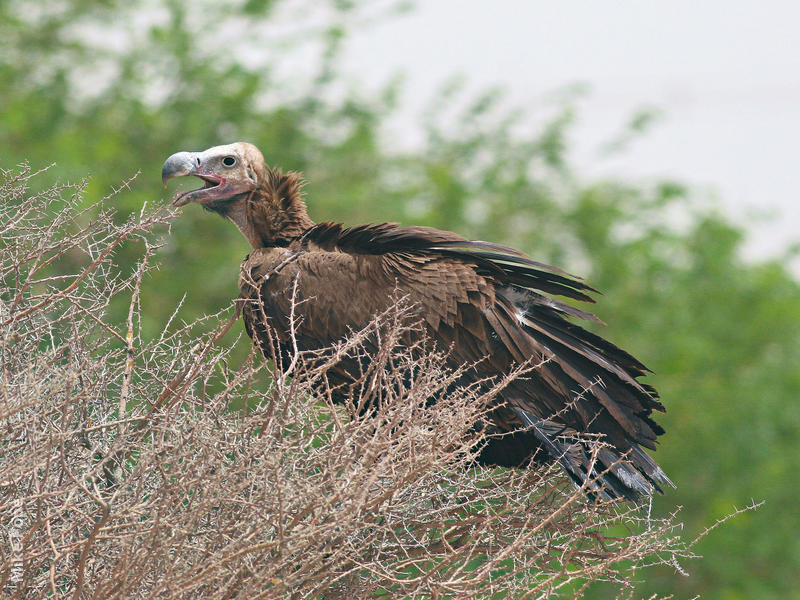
point(182, 164)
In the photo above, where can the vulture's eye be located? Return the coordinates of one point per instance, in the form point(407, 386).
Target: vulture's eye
point(229, 161)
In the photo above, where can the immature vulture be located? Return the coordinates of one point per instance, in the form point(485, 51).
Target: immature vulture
point(481, 302)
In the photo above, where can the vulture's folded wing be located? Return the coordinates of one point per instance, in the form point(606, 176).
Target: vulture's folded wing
point(482, 303)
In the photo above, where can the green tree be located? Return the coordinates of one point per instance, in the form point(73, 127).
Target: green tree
point(113, 88)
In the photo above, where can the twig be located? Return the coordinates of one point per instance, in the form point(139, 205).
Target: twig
point(129, 347)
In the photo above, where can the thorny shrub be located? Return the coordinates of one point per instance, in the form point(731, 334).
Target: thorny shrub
point(124, 473)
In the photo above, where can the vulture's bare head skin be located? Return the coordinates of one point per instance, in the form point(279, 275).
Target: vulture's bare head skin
point(227, 171)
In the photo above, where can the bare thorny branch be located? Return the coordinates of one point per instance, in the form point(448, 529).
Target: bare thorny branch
point(125, 473)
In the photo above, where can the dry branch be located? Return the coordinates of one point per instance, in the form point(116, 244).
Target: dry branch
point(123, 482)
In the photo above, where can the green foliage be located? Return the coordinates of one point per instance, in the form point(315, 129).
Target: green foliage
point(113, 88)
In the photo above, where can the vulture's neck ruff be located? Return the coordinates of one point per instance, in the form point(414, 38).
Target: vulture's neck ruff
point(275, 211)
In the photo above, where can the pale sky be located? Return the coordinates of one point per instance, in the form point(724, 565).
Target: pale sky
point(726, 75)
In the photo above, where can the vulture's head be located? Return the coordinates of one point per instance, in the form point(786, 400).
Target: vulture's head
point(265, 204)
point(228, 173)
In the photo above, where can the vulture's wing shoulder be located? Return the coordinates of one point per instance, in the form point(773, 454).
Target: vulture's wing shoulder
point(355, 273)
point(502, 266)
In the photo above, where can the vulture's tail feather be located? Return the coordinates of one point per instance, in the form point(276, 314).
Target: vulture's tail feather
point(601, 471)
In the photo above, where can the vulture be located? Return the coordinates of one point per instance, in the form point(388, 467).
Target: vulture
point(489, 306)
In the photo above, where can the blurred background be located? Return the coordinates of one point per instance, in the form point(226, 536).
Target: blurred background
point(649, 147)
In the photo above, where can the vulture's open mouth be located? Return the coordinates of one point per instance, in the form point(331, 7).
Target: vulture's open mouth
point(209, 182)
